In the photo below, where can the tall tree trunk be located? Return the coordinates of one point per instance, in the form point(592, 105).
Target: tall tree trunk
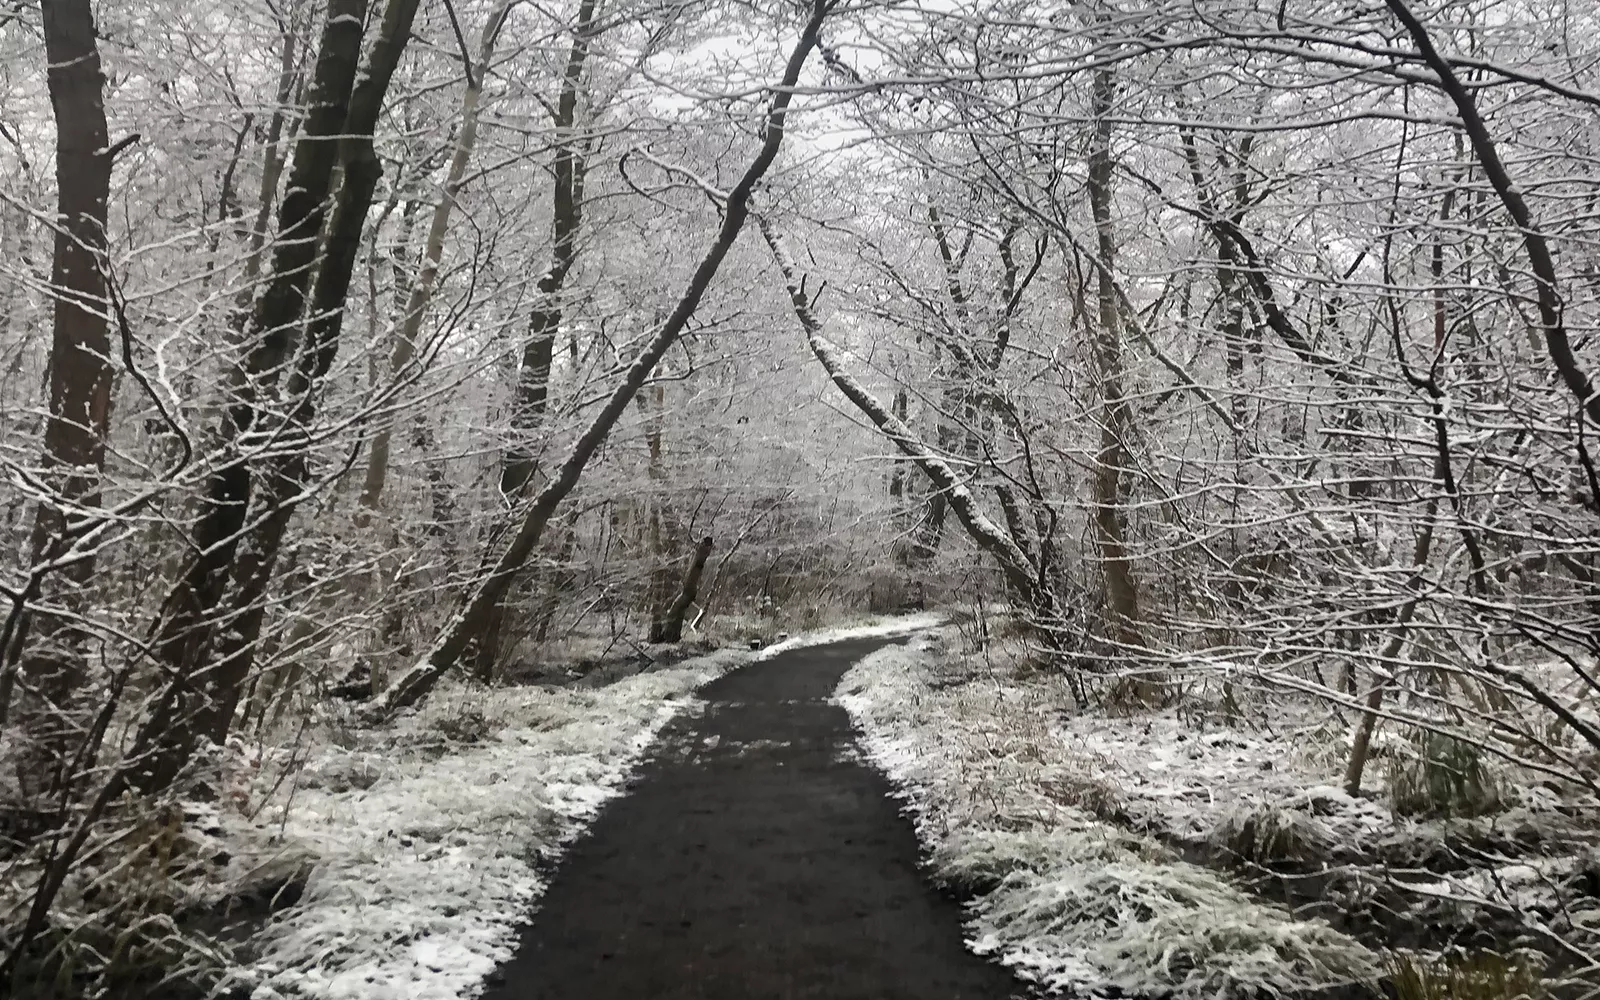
point(1231, 298)
point(469, 620)
point(183, 640)
point(427, 279)
point(661, 530)
point(207, 664)
point(53, 661)
point(282, 488)
point(900, 409)
point(544, 323)
point(1116, 421)
point(531, 398)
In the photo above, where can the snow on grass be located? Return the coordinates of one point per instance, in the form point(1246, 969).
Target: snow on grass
point(1186, 781)
point(1006, 806)
point(1266, 787)
point(427, 834)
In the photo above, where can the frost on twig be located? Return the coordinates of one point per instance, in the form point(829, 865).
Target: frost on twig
point(1019, 569)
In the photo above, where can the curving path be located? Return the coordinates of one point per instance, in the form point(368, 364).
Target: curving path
point(754, 858)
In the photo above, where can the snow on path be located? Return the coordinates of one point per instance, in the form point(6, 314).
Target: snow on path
point(427, 839)
point(904, 625)
point(995, 789)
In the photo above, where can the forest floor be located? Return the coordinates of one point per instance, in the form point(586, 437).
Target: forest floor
point(1205, 849)
point(746, 838)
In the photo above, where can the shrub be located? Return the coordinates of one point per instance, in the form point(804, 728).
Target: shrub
point(1269, 835)
point(1445, 777)
point(1480, 976)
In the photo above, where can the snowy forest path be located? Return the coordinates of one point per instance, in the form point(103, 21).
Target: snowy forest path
point(755, 857)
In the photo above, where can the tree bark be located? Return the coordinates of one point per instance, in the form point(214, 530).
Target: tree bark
point(672, 621)
point(1116, 421)
point(53, 650)
point(469, 620)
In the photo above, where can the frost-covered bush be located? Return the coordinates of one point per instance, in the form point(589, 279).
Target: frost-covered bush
point(147, 910)
point(1003, 798)
point(981, 860)
point(468, 727)
point(1445, 776)
point(1145, 927)
point(1269, 834)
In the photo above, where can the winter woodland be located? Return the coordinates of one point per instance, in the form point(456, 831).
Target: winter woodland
point(1223, 367)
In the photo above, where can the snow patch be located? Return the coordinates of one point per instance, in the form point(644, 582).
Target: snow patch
point(904, 625)
point(1007, 809)
point(427, 846)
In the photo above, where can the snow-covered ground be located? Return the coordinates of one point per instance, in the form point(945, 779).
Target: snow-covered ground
point(1187, 776)
point(426, 837)
point(1006, 798)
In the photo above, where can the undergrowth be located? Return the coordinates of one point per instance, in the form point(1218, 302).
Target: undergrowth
point(1476, 976)
point(1444, 777)
point(1268, 835)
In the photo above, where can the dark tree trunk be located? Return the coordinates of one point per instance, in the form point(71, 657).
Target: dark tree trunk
point(532, 396)
point(206, 663)
point(533, 377)
point(1116, 418)
point(53, 648)
point(671, 622)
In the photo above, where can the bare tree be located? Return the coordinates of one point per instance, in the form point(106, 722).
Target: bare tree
point(205, 668)
point(469, 621)
point(48, 647)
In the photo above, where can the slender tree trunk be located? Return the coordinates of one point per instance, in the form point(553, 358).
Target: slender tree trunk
point(544, 323)
point(561, 578)
point(1116, 421)
point(1367, 722)
point(531, 398)
point(54, 650)
point(672, 620)
point(661, 530)
point(427, 279)
point(183, 641)
point(287, 476)
point(469, 620)
point(900, 408)
point(280, 129)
